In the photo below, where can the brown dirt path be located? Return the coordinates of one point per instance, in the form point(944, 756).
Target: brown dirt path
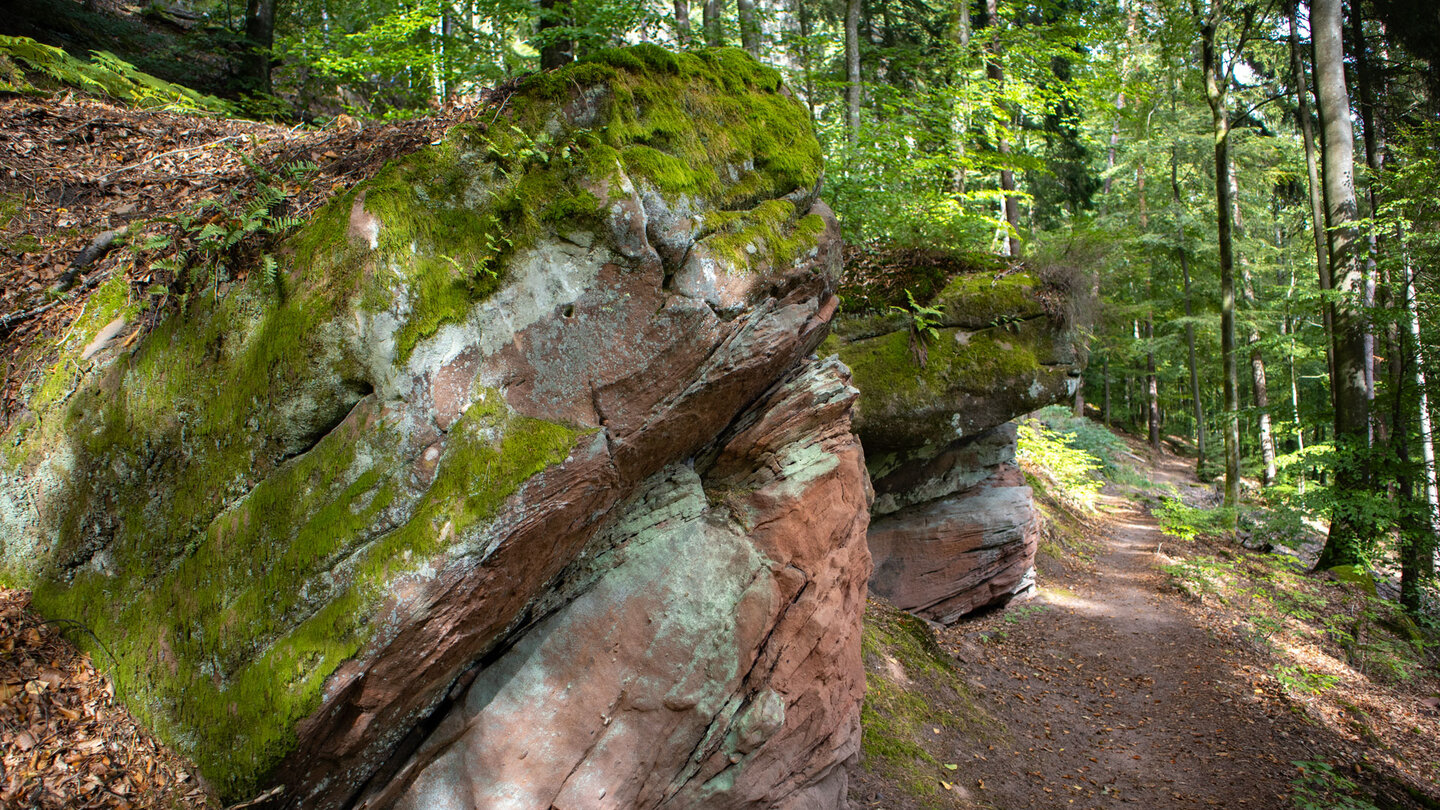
point(1114, 697)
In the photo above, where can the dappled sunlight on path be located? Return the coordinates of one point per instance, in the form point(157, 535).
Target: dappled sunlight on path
point(1114, 697)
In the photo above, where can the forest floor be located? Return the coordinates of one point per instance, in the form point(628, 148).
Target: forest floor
point(1113, 687)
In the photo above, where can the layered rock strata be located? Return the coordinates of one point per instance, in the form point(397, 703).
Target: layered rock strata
point(319, 523)
point(954, 528)
point(709, 660)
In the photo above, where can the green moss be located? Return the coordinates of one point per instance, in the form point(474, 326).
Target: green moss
point(108, 302)
point(982, 299)
point(104, 74)
point(900, 715)
point(710, 124)
point(225, 650)
point(768, 232)
point(885, 366)
point(246, 539)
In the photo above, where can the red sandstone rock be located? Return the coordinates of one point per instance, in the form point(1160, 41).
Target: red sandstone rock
point(714, 659)
point(948, 557)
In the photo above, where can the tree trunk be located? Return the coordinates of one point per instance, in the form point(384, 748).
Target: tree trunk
point(1217, 96)
point(1352, 418)
point(1184, 250)
point(1105, 408)
point(749, 27)
point(1374, 145)
point(1317, 203)
point(260, 43)
point(682, 22)
point(1152, 386)
point(556, 52)
point(995, 73)
point(1427, 435)
point(807, 70)
point(1257, 361)
point(713, 23)
point(852, 69)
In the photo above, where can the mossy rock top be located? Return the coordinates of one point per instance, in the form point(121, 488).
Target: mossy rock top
point(227, 504)
point(980, 352)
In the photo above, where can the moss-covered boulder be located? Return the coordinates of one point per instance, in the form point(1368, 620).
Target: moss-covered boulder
point(294, 518)
point(954, 527)
point(981, 352)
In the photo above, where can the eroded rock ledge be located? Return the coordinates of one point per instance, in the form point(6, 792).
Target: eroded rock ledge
point(511, 409)
point(954, 527)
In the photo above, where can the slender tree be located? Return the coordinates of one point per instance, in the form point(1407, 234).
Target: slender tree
point(996, 74)
point(1347, 538)
point(1317, 202)
point(713, 22)
point(683, 34)
point(852, 69)
point(555, 51)
point(259, 44)
point(749, 26)
point(1217, 84)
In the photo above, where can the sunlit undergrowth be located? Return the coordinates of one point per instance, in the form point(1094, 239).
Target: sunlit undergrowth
point(1067, 460)
point(1070, 472)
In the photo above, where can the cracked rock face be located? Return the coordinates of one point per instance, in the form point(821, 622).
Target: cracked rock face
point(954, 528)
point(713, 663)
point(487, 445)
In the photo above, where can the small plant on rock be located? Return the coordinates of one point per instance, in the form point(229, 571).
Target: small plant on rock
point(923, 326)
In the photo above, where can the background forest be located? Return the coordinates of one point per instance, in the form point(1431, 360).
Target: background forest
point(1172, 152)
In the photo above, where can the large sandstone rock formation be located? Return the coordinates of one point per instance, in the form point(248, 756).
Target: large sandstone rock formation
point(954, 528)
point(496, 488)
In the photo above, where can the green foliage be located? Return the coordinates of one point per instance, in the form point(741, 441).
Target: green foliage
point(1092, 437)
point(923, 319)
point(1299, 679)
point(105, 74)
point(1192, 523)
point(215, 238)
point(1073, 472)
point(1320, 786)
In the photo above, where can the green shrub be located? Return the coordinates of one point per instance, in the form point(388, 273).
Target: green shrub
point(1071, 472)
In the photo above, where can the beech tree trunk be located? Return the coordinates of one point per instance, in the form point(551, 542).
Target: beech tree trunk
point(713, 23)
point(1152, 386)
point(1105, 407)
point(995, 73)
point(682, 22)
point(1373, 155)
point(852, 69)
point(1258, 384)
point(749, 27)
point(1426, 561)
point(802, 16)
point(1196, 402)
point(1218, 97)
point(1317, 202)
point(1346, 540)
point(260, 44)
point(557, 52)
